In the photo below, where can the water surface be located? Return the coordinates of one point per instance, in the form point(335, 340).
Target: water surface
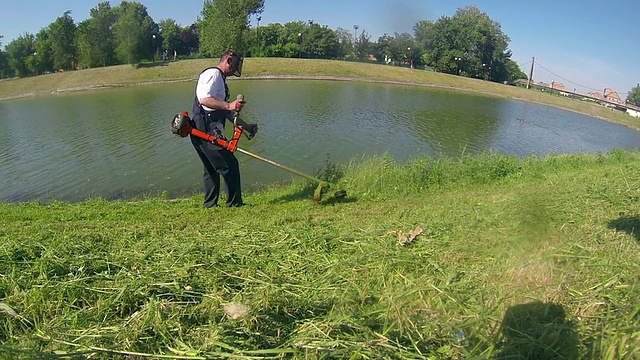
point(116, 143)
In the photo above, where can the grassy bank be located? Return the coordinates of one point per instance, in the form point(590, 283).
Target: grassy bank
point(484, 257)
point(126, 75)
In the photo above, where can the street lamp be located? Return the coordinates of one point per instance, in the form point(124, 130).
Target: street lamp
point(258, 28)
point(355, 34)
point(458, 60)
point(300, 45)
point(410, 58)
point(153, 47)
point(484, 67)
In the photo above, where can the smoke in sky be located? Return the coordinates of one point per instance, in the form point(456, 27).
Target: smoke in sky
point(400, 16)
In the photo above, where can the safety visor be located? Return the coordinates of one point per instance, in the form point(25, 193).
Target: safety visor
point(236, 64)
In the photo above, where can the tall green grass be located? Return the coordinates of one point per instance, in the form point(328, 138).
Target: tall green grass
point(533, 258)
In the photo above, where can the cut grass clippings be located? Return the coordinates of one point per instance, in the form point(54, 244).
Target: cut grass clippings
point(534, 258)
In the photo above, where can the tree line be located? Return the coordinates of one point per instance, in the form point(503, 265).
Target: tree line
point(469, 43)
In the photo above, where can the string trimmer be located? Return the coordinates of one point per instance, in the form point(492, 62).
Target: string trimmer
point(181, 125)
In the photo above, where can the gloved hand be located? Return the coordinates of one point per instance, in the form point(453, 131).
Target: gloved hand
point(252, 129)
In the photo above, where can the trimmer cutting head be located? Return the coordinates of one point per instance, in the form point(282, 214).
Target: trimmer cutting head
point(340, 194)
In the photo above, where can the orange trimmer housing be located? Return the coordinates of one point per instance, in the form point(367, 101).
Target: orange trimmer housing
point(181, 125)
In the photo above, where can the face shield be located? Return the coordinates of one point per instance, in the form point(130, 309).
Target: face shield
point(236, 64)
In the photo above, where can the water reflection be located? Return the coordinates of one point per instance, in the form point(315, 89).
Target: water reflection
point(116, 143)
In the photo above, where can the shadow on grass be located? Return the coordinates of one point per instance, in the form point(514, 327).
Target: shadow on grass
point(628, 224)
point(327, 198)
point(537, 330)
point(305, 193)
point(152, 64)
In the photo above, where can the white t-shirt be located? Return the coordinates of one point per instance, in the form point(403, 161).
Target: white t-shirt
point(211, 84)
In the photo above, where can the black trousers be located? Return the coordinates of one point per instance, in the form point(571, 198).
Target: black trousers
point(219, 162)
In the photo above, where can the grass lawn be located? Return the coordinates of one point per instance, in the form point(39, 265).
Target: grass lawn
point(487, 256)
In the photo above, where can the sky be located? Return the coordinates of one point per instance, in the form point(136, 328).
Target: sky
point(588, 45)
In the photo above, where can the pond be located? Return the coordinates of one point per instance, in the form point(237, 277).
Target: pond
point(116, 143)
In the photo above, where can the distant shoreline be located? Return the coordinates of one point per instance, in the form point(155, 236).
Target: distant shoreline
point(300, 77)
point(292, 69)
point(245, 78)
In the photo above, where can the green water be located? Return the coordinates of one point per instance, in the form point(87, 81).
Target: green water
point(116, 143)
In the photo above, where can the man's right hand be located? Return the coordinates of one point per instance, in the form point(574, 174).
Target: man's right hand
point(235, 105)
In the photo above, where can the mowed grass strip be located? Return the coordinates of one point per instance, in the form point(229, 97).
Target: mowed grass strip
point(516, 258)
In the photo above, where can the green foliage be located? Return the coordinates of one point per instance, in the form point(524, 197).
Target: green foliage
point(345, 42)
point(634, 96)
point(62, 34)
point(471, 35)
point(513, 258)
point(5, 70)
point(170, 33)
point(125, 34)
point(318, 42)
point(224, 23)
point(137, 36)
point(43, 51)
point(189, 41)
point(394, 47)
point(103, 18)
point(513, 72)
point(20, 53)
point(84, 44)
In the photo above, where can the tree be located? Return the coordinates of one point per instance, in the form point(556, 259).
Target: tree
point(345, 41)
point(20, 54)
point(384, 48)
point(395, 47)
point(170, 34)
point(136, 34)
point(5, 70)
point(189, 40)
point(634, 96)
point(84, 44)
point(513, 72)
point(224, 23)
point(102, 36)
point(470, 35)
point(63, 32)
point(363, 46)
point(319, 42)
point(272, 40)
point(294, 37)
point(43, 52)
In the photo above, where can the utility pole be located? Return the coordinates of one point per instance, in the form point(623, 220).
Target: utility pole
point(533, 63)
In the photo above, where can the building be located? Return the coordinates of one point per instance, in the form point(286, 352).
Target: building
point(612, 96)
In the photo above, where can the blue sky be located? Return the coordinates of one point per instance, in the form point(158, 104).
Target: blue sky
point(585, 44)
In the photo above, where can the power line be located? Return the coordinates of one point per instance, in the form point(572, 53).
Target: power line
point(575, 83)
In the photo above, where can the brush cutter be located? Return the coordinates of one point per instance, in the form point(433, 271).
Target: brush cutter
point(181, 125)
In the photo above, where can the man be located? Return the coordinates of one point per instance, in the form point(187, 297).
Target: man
point(210, 110)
